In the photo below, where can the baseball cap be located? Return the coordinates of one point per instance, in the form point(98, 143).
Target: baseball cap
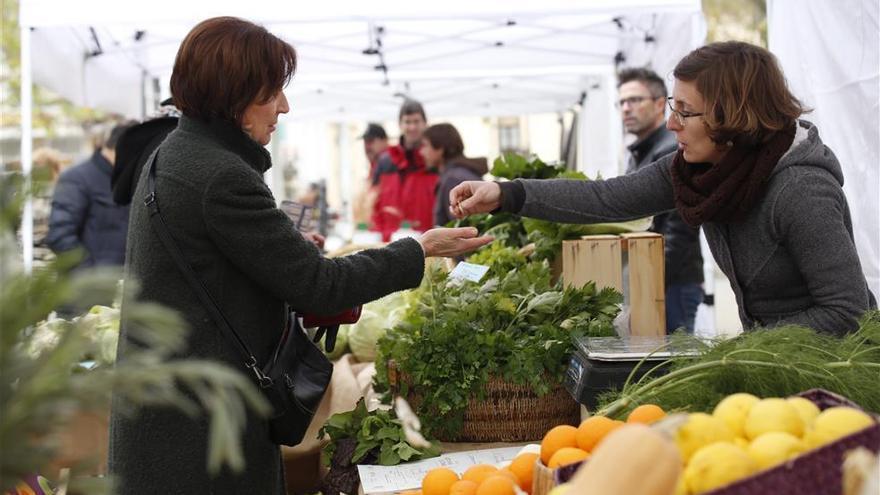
point(374, 131)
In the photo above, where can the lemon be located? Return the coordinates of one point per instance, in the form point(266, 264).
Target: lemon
point(700, 430)
point(560, 489)
point(733, 410)
point(716, 465)
point(805, 408)
point(773, 448)
point(681, 487)
point(834, 423)
point(741, 442)
point(773, 415)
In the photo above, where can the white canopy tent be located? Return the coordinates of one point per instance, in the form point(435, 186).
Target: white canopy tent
point(358, 59)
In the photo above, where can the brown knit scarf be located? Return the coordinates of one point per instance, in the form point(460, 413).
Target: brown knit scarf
point(726, 192)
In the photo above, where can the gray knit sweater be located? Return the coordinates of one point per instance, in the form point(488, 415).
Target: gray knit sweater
point(211, 193)
point(792, 261)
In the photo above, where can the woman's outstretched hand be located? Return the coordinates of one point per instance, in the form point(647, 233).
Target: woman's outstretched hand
point(446, 242)
point(472, 197)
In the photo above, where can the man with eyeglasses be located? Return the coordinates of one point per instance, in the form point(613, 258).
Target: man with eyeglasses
point(642, 104)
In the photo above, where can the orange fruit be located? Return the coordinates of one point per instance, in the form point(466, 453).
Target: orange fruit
point(557, 438)
point(463, 487)
point(507, 473)
point(479, 472)
point(566, 456)
point(646, 413)
point(438, 481)
point(411, 492)
point(497, 485)
point(523, 466)
point(592, 430)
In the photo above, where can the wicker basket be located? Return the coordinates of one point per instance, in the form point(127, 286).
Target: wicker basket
point(817, 472)
point(509, 413)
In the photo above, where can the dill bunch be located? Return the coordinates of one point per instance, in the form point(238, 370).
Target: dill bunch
point(774, 362)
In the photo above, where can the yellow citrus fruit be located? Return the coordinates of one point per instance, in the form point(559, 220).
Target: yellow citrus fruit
point(523, 466)
point(647, 414)
point(463, 487)
point(806, 409)
point(566, 456)
point(834, 423)
point(700, 430)
point(438, 481)
point(592, 430)
point(477, 473)
point(562, 489)
point(557, 438)
point(773, 448)
point(733, 410)
point(773, 415)
point(716, 465)
point(497, 485)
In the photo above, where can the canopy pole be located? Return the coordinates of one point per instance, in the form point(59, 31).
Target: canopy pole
point(27, 217)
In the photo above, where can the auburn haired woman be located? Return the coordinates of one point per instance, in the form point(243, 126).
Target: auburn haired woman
point(227, 81)
point(443, 150)
point(766, 190)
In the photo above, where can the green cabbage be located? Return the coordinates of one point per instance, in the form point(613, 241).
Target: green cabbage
point(376, 318)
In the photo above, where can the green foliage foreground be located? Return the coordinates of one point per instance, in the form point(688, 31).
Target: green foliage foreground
point(40, 393)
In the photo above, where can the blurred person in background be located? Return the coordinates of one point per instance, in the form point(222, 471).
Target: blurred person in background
point(642, 106)
point(375, 143)
point(406, 185)
point(84, 215)
point(766, 190)
point(443, 150)
point(227, 80)
point(48, 165)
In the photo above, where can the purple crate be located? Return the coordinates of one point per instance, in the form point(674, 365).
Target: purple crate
point(817, 472)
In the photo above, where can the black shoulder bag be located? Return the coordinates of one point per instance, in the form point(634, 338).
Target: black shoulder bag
point(294, 380)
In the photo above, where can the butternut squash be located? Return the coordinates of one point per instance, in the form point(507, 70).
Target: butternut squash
point(634, 459)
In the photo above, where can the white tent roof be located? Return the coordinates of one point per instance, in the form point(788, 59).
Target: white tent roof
point(459, 57)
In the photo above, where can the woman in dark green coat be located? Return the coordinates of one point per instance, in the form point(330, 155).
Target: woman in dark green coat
point(227, 81)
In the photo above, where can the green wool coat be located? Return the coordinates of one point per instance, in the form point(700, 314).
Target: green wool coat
point(211, 192)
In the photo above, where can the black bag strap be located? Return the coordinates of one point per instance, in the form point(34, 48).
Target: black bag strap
point(158, 222)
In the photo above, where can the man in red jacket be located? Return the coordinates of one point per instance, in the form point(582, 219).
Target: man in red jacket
point(406, 186)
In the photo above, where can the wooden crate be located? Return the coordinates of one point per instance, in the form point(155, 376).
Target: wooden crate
point(601, 258)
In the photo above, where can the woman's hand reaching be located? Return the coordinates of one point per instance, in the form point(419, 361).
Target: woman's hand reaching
point(446, 242)
point(472, 197)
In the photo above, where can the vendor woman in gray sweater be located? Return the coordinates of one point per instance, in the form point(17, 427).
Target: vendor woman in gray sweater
point(759, 181)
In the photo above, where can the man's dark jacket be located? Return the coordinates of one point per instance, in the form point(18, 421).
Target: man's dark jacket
point(684, 262)
point(253, 262)
point(85, 216)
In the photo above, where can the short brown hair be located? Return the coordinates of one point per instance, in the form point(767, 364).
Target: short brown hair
point(445, 137)
point(646, 76)
point(411, 107)
point(745, 91)
point(224, 64)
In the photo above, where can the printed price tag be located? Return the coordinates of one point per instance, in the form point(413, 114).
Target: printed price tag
point(469, 271)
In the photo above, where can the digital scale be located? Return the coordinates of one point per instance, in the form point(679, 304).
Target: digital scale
point(600, 364)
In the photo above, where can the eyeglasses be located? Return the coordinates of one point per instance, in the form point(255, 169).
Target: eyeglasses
point(634, 101)
point(679, 114)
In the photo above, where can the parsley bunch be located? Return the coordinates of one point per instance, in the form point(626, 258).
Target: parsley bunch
point(517, 325)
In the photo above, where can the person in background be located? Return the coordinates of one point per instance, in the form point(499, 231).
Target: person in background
point(228, 80)
point(766, 190)
point(84, 215)
point(406, 185)
point(375, 143)
point(48, 165)
point(642, 106)
point(443, 150)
